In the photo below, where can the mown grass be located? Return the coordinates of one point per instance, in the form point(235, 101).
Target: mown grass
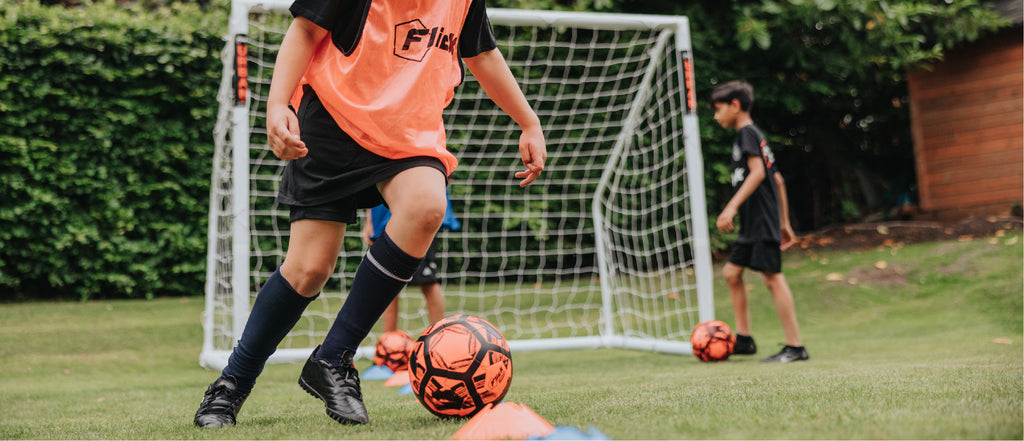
point(916, 342)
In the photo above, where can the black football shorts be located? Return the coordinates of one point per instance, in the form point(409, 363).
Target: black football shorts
point(337, 177)
point(765, 257)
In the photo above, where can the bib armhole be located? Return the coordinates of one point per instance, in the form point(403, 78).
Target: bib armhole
point(349, 26)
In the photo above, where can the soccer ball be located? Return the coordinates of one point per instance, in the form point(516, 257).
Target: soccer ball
point(393, 350)
point(712, 340)
point(459, 365)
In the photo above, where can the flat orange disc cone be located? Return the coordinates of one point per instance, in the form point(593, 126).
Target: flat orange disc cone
point(504, 421)
point(400, 378)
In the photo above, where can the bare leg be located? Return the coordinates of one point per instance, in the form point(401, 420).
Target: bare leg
point(435, 301)
point(418, 203)
point(312, 254)
point(738, 290)
point(390, 317)
point(417, 200)
point(435, 307)
point(784, 306)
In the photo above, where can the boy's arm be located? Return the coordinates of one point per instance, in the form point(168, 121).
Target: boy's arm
point(296, 50)
point(746, 189)
point(494, 76)
point(788, 236)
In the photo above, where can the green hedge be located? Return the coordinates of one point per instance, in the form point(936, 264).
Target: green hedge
point(106, 118)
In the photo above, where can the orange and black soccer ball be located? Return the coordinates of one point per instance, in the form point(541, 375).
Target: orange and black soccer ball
point(712, 340)
point(459, 365)
point(392, 350)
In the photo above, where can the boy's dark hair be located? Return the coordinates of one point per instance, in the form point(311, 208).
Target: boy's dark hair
point(736, 89)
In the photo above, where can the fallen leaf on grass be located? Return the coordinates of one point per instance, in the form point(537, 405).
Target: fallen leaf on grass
point(834, 277)
point(1003, 341)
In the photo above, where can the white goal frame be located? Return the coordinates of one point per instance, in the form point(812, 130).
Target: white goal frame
point(230, 241)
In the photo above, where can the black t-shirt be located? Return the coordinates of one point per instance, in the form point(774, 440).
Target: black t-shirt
point(345, 19)
point(759, 214)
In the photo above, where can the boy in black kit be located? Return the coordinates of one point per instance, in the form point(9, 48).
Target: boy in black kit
point(760, 201)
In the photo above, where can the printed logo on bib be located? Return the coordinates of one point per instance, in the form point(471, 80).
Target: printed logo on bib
point(413, 40)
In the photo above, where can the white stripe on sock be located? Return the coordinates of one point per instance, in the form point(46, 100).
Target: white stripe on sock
point(386, 272)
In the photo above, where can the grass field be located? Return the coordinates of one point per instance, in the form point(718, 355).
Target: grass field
point(916, 342)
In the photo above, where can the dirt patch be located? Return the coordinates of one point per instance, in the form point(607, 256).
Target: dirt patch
point(868, 236)
point(899, 233)
point(881, 275)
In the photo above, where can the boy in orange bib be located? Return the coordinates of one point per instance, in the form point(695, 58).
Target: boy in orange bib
point(368, 81)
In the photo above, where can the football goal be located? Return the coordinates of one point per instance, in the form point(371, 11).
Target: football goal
point(609, 248)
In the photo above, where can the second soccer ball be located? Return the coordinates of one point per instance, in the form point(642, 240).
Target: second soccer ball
point(712, 340)
point(393, 350)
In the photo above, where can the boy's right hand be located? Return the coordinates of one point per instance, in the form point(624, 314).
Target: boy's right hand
point(724, 221)
point(283, 133)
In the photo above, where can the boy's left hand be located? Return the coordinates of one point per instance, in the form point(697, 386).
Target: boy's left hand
point(534, 151)
point(788, 237)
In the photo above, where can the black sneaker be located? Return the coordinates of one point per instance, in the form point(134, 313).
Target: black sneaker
point(220, 404)
point(744, 345)
point(788, 354)
point(337, 387)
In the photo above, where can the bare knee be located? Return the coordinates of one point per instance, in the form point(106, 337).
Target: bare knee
point(417, 200)
point(424, 213)
point(774, 281)
point(308, 279)
point(432, 215)
point(733, 274)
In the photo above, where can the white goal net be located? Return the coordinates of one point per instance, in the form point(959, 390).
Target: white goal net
point(609, 248)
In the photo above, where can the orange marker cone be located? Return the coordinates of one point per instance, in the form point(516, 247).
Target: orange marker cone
point(399, 379)
point(504, 421)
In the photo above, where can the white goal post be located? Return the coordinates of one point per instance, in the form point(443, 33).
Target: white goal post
point(609, 248)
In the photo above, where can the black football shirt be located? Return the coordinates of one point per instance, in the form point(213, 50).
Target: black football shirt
point(759, 214)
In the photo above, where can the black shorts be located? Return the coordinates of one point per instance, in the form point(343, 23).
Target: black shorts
point(426, 274)
point(337, 177)
point(765, 257)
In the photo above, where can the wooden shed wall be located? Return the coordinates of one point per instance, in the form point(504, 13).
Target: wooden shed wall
point(967, 119)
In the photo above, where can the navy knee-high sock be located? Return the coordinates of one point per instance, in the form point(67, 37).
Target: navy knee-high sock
point(276, 310)
point(382, 274)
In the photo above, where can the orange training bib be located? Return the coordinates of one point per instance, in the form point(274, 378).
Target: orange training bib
point(389, 94)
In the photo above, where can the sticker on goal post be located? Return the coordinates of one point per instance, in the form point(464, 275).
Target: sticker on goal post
point(241, 80)
point(691, 85)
